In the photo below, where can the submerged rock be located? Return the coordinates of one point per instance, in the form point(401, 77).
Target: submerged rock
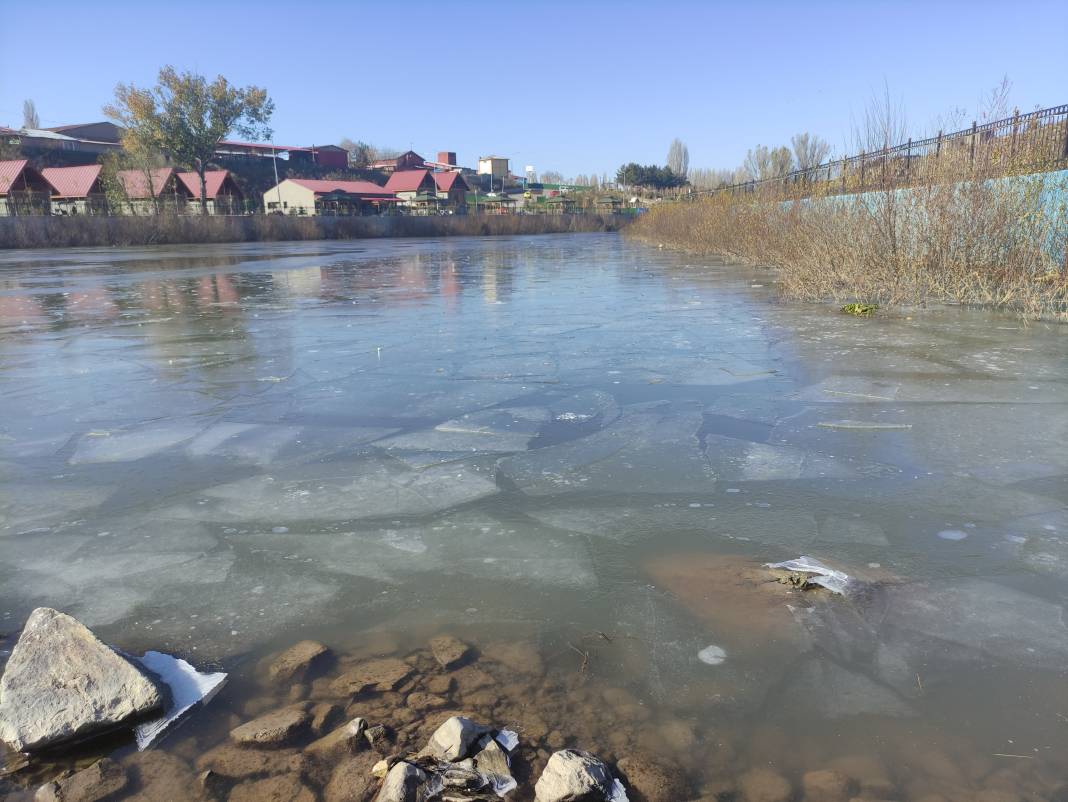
point(651, 781)
point(574, 776)
point(294, 663)
point(99, 781)
point(448, 650)
point(764, 785)
point(352, 780)
point(283, 788)
point(378, 675)
point(62, 684)
point(277, 728)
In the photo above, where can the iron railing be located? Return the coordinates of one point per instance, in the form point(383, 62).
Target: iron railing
point(1023, 143)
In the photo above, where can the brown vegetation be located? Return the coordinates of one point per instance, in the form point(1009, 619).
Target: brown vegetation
point(83, 231)
point(957, 228)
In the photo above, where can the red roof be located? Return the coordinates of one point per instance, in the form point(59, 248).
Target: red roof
point(326, 185)
point(10, 172)
point(259, 146)
point(72, 182)
point(135, 185)
point(406, 180)
point(213, 182)
point(446, 181)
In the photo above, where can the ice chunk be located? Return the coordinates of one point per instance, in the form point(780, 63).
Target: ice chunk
point(818, 573)
point(188, 687)
point(366, 489)
point(651, 448)
point(255, 444)
point(133, 444)
point(822, 689)
point(490, 430)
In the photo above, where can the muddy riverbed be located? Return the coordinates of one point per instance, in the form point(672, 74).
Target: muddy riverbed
point(575, 453)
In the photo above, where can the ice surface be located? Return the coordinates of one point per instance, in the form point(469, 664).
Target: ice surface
point(490, 430)
point(132, 444)
point(368, 489)
point(255, 444)
point(651, 448)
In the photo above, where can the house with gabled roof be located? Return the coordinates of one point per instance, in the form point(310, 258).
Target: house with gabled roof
point(407, 184)
point(153, 191)
point(452, 187)
point(327, 196)
point(76, 190)
point(221, 192)
point(409, 160)
point(23, 190)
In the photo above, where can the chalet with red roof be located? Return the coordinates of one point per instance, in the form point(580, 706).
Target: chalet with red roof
point(153, 191)
point(76, 190)
point(23, 190)
point(222, 194)
point(327, 196)
point(451, 187)
point(409, 185)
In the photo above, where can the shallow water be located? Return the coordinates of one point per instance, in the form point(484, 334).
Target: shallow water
point(576, 442)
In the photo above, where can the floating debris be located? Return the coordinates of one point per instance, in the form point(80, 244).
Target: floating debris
point(860, 310)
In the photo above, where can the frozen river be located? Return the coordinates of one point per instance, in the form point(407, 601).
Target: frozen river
point(577, 441)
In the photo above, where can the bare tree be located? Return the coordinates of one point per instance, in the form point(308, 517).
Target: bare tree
point(994, 105)
point(757, 164)
point(809, 150)
point(710, 177)
point(884, 125)
point(678, 159)
point(30, 118)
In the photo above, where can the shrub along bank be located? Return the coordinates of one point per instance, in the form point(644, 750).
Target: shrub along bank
point(83, 231)
point(993, 241)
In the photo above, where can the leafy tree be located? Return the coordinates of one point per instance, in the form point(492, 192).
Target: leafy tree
point(184, 116)
point(678, 158)
point(650, 176)
point(30, 118)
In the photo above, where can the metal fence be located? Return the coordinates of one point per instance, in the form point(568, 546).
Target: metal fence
point(1023, 143)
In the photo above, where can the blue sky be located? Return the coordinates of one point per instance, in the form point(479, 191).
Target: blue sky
point(576, 86)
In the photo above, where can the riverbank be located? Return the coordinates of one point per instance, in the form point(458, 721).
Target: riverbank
point(990, 243)
point(77, 232)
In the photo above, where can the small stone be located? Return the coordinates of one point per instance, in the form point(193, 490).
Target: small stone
point(573, 776)
point(212, 784)
point(493, 760)
point(99, 781)
point(678, 736)
point(323, 716)
point(324, 753)
point(763, 785)
point(273, 729)
point(296, 662)
point(826, 785)
point(470, 679)
point(455, 739)
point(352, 780)
point(236, 763)
point(402, 784)
point(381, 768)
point(61, 683)
point(448, 650)
point(159, 775)
point(425, 701)
point(377, 736)
point(650, 781)
point(283, 788)
point(522, 657)
point(555, 739)
point(378, 675)
point(440, 685)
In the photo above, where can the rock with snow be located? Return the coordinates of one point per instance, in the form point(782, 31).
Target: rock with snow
point(62, 684)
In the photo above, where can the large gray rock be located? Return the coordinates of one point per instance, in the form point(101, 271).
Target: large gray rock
point(455, 740)
point(402, 784)
point(574, 776)
point(63, 684)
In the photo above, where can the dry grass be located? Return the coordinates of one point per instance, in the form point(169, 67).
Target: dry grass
point(83, 231)
point(956, 233)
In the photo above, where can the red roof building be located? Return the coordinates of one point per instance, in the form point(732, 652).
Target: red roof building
point(408, 183)
point(410, 160)
point(221, 192)
point(76, 190)
point(23, 190)
point(135, 183)
point(73, 182)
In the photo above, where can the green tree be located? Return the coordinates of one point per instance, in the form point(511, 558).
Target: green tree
point(185, 117)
